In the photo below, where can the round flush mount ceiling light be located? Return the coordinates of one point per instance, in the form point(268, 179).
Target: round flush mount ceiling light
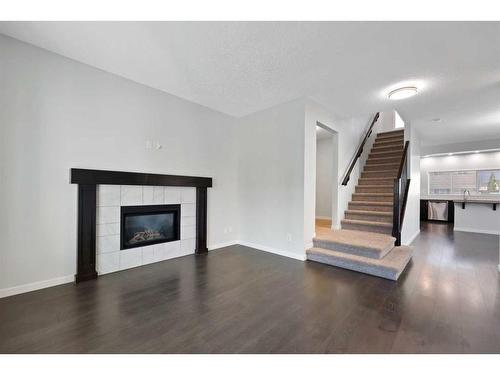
point(403, 93)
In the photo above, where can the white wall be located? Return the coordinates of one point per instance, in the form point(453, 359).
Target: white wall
point(277, 174)
point(411, 223)
point(386, 121)
point(271, 179)
point(350, 133)
point(324, 177)
point(486, 160)
point(57, 114)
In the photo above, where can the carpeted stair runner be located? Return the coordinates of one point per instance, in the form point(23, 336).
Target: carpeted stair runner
point(364, 243)
point(376, 184)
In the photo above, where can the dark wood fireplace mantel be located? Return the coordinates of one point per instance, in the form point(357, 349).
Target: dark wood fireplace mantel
point(88, 179)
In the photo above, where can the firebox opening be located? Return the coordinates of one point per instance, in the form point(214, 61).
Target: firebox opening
point(148, 225)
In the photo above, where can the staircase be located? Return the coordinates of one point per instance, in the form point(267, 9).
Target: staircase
point(371, 208)
point(365, 242)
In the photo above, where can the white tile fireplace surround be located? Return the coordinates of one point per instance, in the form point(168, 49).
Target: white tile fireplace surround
point(109, 200)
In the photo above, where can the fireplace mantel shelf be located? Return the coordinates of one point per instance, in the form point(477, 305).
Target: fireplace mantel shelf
point(102, 177)
point(88, 179)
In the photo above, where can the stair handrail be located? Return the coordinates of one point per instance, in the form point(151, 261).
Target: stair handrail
point(401, 188)
point(347, 174)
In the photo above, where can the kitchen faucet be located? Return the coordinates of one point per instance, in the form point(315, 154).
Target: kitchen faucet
point(468, 192)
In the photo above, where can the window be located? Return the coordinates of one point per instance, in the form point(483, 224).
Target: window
point(439, 183)
point(455, 182)
point(463, 180)
point(488, 181)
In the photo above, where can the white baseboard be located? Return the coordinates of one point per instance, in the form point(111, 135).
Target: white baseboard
point(474, 230)
point(6, 292)
point(222, 244)
point(268, 249)
point(410, 240)
point(36, 286)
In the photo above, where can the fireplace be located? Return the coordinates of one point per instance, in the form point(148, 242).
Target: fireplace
point(148, 225)
point(89, 179)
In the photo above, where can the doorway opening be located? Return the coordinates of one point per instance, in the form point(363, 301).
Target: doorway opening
point(326, 202)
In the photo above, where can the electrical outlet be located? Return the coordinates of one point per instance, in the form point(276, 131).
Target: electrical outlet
point(289, 237)
point(225, 230)
point(149, 144)
point(230, 229)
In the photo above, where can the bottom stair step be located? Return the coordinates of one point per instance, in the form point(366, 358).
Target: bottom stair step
point(367, 244)
point(389, 267)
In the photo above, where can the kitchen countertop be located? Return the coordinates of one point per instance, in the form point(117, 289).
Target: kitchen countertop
point(460, 199)
point(488, 201)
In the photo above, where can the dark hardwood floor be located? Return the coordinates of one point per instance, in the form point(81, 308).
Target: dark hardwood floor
point(240, 300)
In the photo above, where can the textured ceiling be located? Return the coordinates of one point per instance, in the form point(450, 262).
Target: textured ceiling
point(242, 67)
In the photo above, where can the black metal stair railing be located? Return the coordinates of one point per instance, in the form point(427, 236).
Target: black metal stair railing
point(401, 188)
point(359, 151)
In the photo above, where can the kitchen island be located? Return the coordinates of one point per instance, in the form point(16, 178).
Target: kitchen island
point(477, 214)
